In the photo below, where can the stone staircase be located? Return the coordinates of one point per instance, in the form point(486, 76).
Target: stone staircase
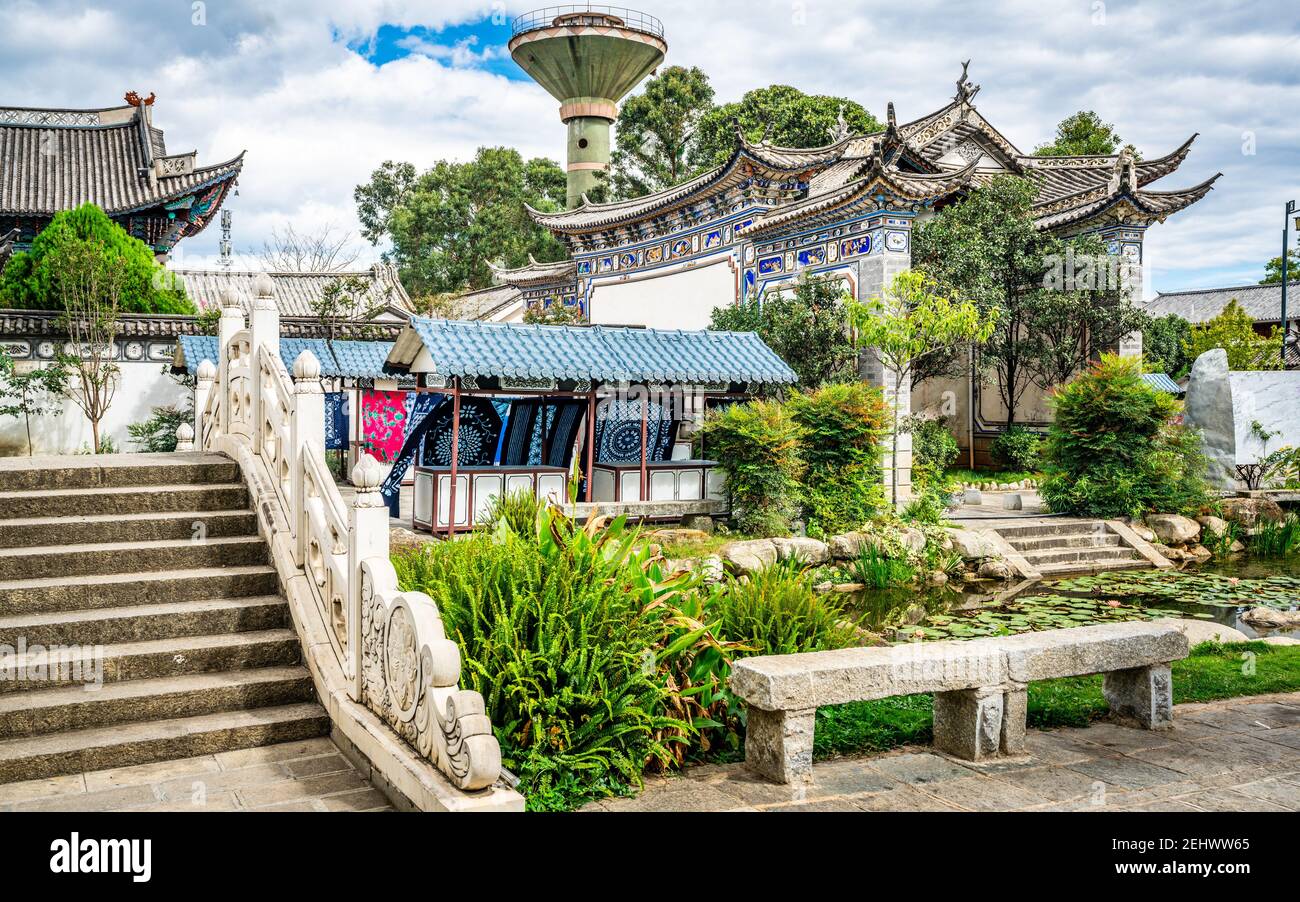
point(149, 570)
point(1070, 546)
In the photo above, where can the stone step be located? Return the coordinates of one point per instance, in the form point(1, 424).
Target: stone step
point(48, 711)
point(61, 593)
point(46, 668)
point(118, 527)
point(1040, 528)
point(139, 623)
point(1066, 555)
point(1090, 540)
point(1079, 568)
point(115, 470)
point(38, 503)
point(129, 557)
point(38, 757)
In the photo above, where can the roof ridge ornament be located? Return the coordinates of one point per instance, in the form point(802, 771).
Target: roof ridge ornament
point(965, 90)
point(841, 127)
point(136, 100)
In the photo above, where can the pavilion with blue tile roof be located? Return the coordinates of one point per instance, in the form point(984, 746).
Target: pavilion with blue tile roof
point(563, 388)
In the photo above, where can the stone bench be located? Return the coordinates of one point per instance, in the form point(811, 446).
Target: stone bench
point(979, 687)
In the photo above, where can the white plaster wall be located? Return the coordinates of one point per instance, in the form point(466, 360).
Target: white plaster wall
point(681, 300)
point(1273, 399)
point(142, 387)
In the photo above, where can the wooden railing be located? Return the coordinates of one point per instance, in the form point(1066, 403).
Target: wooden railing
point(390, 645)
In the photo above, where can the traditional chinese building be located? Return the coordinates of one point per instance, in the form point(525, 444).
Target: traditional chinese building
point(846, 211)
point(53, 160)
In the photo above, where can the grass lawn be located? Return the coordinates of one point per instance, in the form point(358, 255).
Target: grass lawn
point(1211, 672)
point(980, 476)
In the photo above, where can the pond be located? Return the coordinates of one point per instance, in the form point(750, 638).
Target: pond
point(1217, 592)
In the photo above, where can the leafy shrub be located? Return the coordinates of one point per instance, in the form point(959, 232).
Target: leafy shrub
point(842, 429)
point(518, 510)
point(1275, 539)
point(1018, 448)
point(776, 612)
point(559, 632)
point(1234, 331)
point(158, 433)
point(931, 505)
point(1114, 450)
point(934, 448)
point(758, 444)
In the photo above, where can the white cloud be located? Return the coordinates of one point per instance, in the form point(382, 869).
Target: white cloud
point(289, 83)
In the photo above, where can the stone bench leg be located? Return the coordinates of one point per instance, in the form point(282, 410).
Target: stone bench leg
point(1015, 714)
point(779, 744)
point(1145, 694)
point(968, 722)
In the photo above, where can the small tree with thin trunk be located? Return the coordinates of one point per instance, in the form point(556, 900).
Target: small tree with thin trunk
point(911, 322)
point(88, 278)
point(31, 393)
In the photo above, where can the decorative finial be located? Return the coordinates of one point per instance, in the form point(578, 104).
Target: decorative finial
point(306, 367)
point(207, 371)
point(767, 133)
point(841, 127)
point(264, 286)
point(368, 474)
point(136, 100)
point(965, 90)
point(890, 117)
point(230, 298)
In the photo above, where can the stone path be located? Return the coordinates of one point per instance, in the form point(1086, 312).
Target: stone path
point(1234, 755)
point(311, 775)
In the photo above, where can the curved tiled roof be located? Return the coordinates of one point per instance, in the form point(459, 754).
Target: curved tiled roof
point(1262, 302)
point(339, 359)
point(535, 273)
point(294, 291)
point(597, 353)
point(52, 160)
point(1154, 205)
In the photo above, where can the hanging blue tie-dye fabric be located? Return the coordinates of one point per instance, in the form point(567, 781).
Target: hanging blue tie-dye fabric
point(416, 424)
point(336, 421)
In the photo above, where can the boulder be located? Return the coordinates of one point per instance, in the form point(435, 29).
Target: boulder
point(1272, 619)
point(1013, 502)
point(1199, 553)
point(973, 545)
point(994, 570)
point(913, 540)
point(1248, 512)
point(1173, 529)
point(1238, 547)
point(401, 540)
point(713, 569)
point(1209, 408)
point(680, 536)
point(1198, 631)
point(1214, 525)
point(808, 551)
point(1144, 534)
point(702, 522)
point(972, 497)
point(751, 556)
point(1280, 640)
point(938, 578)
point(914, 614)
point(847, 546)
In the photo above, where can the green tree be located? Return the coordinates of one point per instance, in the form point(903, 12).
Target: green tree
point(807, 328)
point(1273, 271)
point(1083, 134)
point(656, 130)
point(30, 393)
point(786, 116)
point(1234, 331)
point(1051, 318)
point(913, 320)
point(444, 225)
point(1164, 345)
point(30, 278)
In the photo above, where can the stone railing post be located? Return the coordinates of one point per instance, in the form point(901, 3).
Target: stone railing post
point(306, 428)
point(264, 331)
point(207, 374)
point(184, 437)
point(367, 539)
point(232, 322)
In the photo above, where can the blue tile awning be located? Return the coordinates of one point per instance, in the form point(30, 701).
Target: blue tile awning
point(338, 359)
point(600, 354)
point(1161, 382)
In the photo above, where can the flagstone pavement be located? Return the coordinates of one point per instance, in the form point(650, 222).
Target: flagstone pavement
point(1234, 755)
point(310, 775)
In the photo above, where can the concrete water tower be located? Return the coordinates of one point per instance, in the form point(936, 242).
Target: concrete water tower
point(588, 57)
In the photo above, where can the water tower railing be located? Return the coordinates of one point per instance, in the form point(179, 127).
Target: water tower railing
point(632, 19)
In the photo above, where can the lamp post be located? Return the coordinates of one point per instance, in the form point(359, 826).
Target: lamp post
point(1286, 275)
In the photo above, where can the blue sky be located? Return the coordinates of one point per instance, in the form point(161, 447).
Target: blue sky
point(320, 92)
